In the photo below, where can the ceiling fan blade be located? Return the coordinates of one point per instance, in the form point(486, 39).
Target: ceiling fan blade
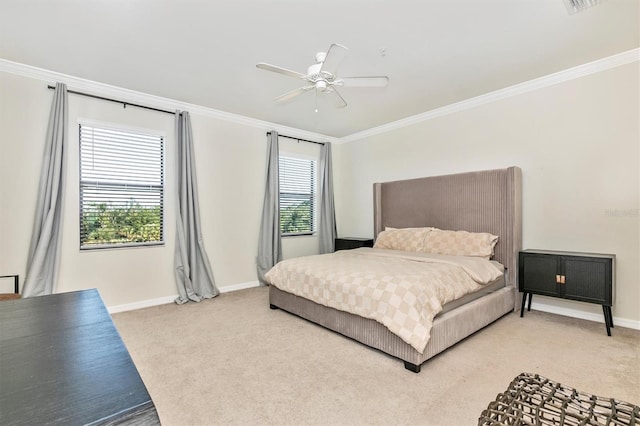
point(335, 97)
point(381, 81)
point(335, 55)
point(279, 70)
point(293, 93)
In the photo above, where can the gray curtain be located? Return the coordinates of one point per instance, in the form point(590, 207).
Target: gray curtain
point(327, 232)
point(270, 242)
point(44, 251)
point(194, 277)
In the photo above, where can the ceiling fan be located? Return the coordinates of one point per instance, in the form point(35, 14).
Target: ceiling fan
point(322, 76)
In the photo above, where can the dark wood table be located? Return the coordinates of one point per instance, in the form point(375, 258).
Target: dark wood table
point(62, 361)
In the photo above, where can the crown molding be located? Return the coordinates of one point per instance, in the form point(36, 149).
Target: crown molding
point(101, 89)
point(119, 93)
point(594, 67)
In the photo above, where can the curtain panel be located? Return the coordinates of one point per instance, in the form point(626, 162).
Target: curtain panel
point(193, 274)
point(270, 242)
point(43, 260)
point(327, 231)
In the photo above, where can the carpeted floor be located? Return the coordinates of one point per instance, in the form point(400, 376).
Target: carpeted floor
point(232, 360)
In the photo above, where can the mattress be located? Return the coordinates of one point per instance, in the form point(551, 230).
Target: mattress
point(401, 290)
point(487, 289)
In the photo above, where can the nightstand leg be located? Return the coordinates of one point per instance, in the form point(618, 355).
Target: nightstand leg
point(529, 304)
point(524, 300)
point(608, 318)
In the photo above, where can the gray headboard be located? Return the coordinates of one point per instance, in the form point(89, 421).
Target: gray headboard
point(482, 201)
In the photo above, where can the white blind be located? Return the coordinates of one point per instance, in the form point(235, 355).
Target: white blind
point(297, 195)
point(121, 187)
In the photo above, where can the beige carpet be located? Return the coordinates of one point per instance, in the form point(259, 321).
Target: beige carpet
point(232, 360)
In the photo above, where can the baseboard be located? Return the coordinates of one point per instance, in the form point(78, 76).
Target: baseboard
point(575, 313)
point(241, 286)
point(169, 299)
point(141, 304)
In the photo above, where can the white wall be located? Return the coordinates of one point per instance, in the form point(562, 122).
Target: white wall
point(577, 144)
point(230, 165)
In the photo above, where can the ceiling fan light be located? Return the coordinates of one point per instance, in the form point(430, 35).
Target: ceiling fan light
point(321, 85)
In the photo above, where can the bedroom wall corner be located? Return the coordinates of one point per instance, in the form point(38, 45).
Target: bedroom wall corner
point(577, 144)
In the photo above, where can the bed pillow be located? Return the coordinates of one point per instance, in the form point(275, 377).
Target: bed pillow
point(460, 243)
point(407, 239)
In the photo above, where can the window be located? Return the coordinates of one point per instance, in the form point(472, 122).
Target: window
point(121, 188)
point(297, 196)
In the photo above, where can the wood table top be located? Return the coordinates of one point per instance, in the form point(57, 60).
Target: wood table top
point(62, 361)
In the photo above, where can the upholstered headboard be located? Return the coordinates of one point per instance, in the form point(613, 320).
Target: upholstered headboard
point(482, 201)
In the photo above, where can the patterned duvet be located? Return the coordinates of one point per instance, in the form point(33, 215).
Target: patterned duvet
point(401, 290)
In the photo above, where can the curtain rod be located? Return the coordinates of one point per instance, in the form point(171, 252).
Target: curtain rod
point(116, 101)
point(298, 139)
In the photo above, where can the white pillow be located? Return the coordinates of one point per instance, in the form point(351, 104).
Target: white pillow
point(460, 243)
point(406, 239)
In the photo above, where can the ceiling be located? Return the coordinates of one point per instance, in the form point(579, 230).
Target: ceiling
point(436, 52)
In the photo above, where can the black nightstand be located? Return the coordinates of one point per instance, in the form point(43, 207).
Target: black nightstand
point(351, 243)
point(587, 277)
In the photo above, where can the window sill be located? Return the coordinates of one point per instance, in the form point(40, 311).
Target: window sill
point(306, 234)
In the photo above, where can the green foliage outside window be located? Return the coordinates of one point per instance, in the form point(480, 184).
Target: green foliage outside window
point(296, 218)
point(103, 223)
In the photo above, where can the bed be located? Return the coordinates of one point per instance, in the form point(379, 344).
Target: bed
point(479, 202)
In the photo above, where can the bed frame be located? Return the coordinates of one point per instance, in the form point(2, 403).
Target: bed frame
point(483, 201)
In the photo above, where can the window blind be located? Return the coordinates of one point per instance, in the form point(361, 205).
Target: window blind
point(121, 188)
point(297, 195)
